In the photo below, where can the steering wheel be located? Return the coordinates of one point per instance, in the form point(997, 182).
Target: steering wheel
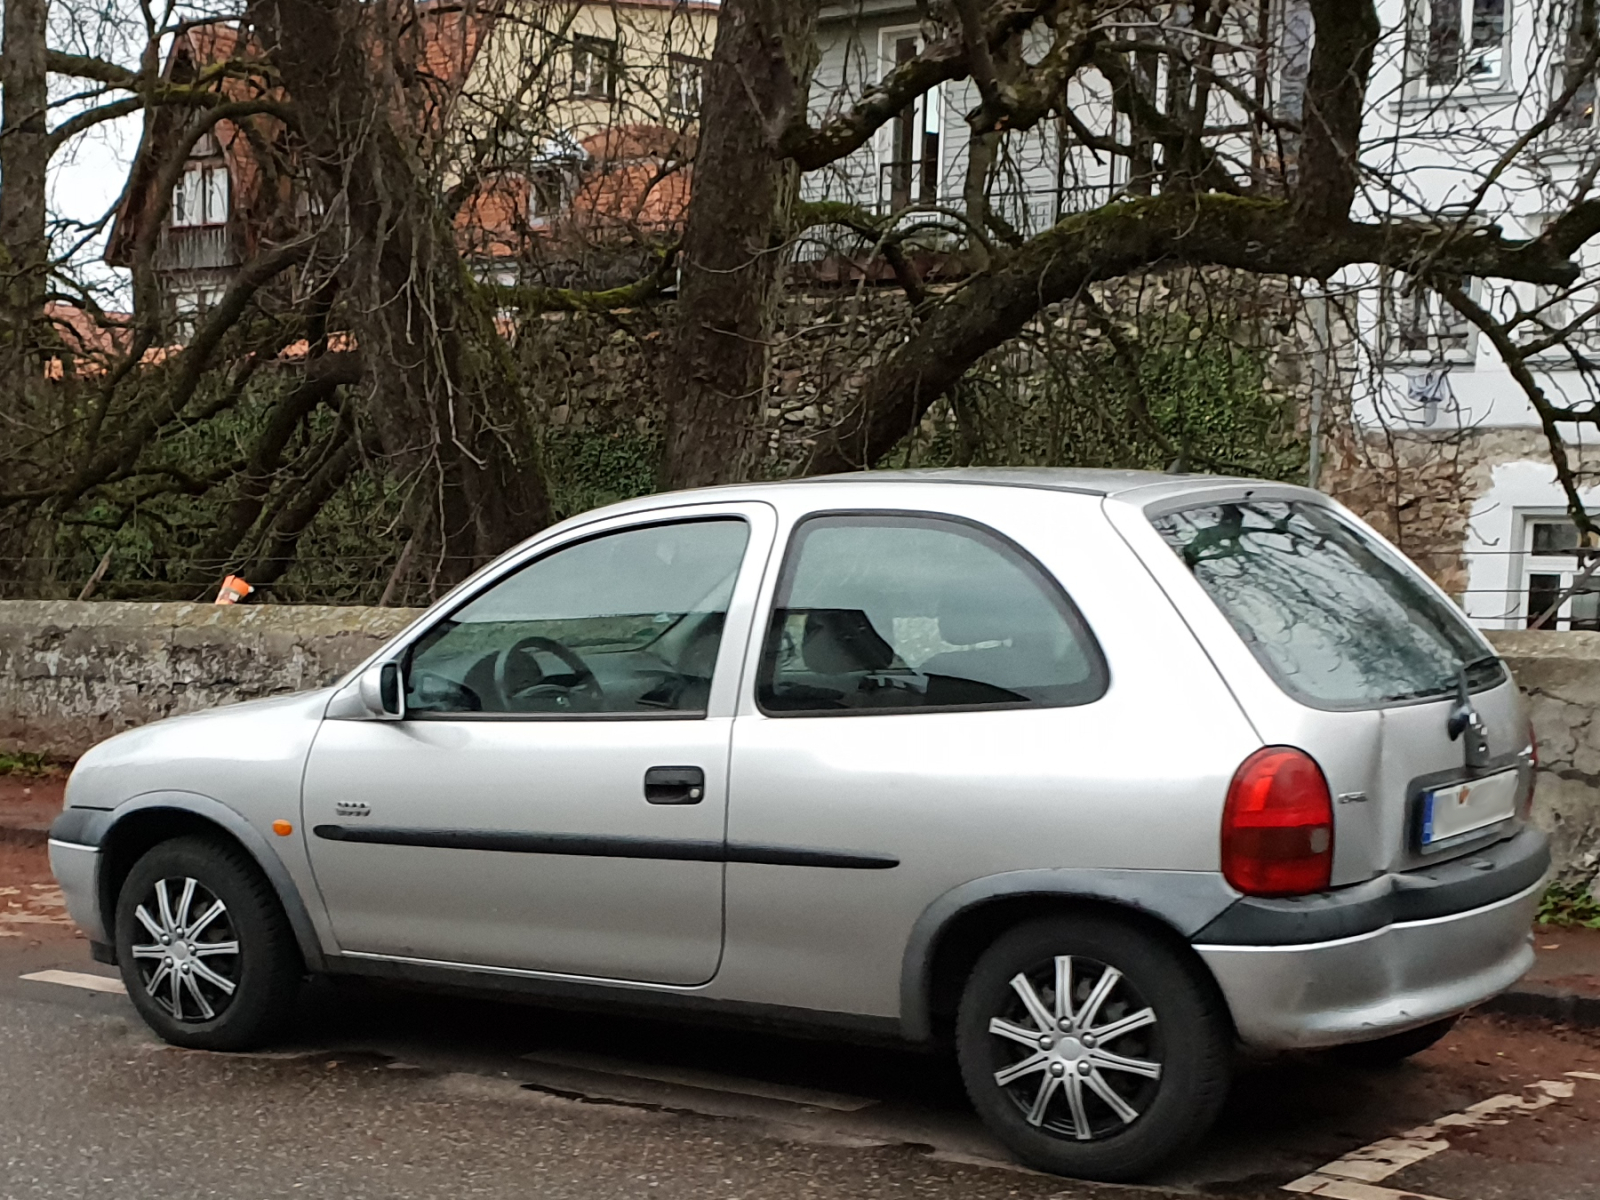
point(519, 679)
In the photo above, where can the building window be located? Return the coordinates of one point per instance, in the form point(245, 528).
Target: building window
point(911, 173)
point(684, 76)
point(189, 309)
point(1554, 561)
point(1464, 41)
point(1422, 324)
point(201, 197)
point(550, 192)
point(1295, 41)
point(1570, 70)
point(594, 68)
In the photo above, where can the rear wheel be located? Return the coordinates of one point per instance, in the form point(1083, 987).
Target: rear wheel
point(1091, 1048)
point(1397, 1047)
point(205, 950)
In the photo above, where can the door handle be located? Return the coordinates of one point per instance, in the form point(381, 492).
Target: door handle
point(674, 785)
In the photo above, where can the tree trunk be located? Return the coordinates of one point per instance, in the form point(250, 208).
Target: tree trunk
point(24, 158)
point(1347, 33)
point(732, 264)
point(24, 259)
point(440, 389)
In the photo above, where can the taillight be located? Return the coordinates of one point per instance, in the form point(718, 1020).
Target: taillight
point(1525, 809)
point(1277, 827)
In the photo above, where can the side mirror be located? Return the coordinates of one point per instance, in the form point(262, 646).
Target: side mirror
point(382, 695)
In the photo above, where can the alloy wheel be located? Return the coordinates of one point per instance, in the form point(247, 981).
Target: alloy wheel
point(1081, 1049)
point(190, 966)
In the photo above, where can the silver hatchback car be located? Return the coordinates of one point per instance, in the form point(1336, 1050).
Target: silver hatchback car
point(1097, 775)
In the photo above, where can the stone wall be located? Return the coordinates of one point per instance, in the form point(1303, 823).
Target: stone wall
point(1560, 672)
point(72, 673)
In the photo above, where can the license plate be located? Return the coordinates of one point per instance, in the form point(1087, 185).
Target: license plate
point(1449, 812)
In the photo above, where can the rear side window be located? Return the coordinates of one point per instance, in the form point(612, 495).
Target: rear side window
point(1330, 615)
point(894, 613)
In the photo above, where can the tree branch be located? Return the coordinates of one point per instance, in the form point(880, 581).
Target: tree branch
point(946, 59)
point(1264, 237)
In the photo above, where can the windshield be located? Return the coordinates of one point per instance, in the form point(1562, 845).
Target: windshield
point(1335, 620)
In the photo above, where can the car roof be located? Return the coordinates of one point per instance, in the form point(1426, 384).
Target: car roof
point(1142, 487)
point(1150, 490)
point(1090, 481)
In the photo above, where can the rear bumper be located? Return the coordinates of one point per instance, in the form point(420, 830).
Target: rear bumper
point(77, 870)
point(1373, 984)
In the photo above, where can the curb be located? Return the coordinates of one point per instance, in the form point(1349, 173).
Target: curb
point(1532, 1000)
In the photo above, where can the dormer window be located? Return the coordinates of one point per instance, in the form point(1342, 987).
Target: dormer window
point(201, 196)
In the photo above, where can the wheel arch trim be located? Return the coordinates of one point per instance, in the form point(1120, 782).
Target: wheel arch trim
point(214, 812)
point(1183, 901)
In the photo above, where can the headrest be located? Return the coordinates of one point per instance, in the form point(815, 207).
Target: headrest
point(967, 619)
point(842, 641)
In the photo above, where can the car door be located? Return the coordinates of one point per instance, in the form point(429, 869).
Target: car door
point(554, 798)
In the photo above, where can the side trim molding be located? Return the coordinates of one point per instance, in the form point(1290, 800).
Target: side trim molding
point(671, 849)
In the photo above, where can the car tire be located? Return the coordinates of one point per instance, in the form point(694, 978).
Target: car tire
point(204, 947)
point(1394, 1049)
point(1171, 1019)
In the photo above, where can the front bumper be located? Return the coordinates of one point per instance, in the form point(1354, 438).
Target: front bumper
point(77, 870)
point(1385, 981)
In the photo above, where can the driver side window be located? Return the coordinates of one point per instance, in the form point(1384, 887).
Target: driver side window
point(627, 622)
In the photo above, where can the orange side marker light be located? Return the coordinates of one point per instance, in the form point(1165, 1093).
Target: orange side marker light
point(282, 828)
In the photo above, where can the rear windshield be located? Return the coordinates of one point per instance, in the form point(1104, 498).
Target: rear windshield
point(1335, 620)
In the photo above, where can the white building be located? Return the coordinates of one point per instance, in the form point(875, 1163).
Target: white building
point(1460, 87)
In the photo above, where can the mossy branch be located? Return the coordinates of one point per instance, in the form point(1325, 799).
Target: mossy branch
point(532, 299)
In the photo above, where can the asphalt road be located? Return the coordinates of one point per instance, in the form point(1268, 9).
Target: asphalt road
point(389, 1094)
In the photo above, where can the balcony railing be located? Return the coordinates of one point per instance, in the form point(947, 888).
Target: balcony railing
point(1029, 211)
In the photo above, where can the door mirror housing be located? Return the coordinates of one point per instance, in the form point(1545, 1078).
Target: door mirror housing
point(383, 696)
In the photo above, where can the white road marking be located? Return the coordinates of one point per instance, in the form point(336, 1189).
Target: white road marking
point(78, 979)
point(1355, 1176)
point(1349, 1189)
point(707, 1080)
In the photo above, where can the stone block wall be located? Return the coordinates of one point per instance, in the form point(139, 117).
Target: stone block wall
point(1560, 674)
point(73, 672)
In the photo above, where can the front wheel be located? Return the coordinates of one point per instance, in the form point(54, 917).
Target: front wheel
point(204, 947)
point(1091, 1048)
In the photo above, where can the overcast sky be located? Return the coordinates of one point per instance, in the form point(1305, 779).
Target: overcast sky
point(87, 176)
